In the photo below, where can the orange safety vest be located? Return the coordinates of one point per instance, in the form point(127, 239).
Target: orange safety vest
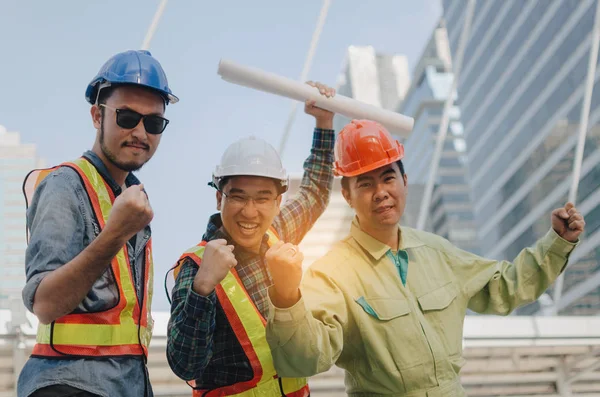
point(248, 324)
point(125, 329)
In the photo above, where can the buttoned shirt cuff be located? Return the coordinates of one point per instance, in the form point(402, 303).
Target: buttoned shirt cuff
point(552, 242)
point(288, 316)
point(198, 306)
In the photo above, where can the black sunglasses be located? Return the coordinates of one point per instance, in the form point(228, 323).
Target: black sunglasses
point(128, 119)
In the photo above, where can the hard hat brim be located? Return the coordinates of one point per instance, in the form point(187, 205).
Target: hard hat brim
point(365, 169)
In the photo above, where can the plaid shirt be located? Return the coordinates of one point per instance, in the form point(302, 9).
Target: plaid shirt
point(201, 344)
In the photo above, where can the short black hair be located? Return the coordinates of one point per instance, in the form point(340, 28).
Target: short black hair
point(106, 92)
point(103, 96)
point(223, 181)
point(346, 181)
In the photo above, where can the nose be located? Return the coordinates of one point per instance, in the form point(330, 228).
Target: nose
point(249, 210)
point(139, 131)
point(380, 194)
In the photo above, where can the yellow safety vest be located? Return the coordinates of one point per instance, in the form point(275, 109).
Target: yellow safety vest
point(249, 328)
point(123, 330)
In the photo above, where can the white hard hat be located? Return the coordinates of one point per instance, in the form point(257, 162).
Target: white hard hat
point(253, 157)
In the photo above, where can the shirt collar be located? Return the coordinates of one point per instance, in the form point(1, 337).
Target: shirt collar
point(376, 248)
point(97, 162)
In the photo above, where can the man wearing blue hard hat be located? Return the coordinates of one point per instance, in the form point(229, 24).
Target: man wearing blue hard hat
point(89, 258)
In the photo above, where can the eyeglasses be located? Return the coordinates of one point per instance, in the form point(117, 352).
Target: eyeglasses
point(238, 201)
point(129, 119)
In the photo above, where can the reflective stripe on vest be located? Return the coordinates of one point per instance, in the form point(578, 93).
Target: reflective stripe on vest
point(126, 328)
point(248, 324)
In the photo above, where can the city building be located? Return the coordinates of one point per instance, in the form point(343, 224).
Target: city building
point(16, 160)
point(520, 94)
point(450, 213)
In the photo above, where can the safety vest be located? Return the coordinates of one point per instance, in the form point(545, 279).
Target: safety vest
point(248, 325)
point(126, 328)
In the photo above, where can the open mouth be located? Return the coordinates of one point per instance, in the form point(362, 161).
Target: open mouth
point(247, 228)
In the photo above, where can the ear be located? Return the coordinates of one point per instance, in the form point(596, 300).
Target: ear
point(347, 197)
point(96, 114)
point(405, 180)
point(219, 200)
point(279, 198)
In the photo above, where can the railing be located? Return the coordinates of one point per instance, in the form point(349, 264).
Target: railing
point(509, 356)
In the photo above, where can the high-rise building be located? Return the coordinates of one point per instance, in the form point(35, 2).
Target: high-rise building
point(16, 160)
point(450, 212)
point(377, 79)
point(520, 94)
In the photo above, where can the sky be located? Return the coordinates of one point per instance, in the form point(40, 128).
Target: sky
point(50, 50)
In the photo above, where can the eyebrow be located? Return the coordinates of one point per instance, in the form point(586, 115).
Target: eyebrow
point(362, 178)
point(235, 190)
point(125, 107)
point(388, 171)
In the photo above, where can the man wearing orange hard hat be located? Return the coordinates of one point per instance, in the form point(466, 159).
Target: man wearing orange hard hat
point(387, 303)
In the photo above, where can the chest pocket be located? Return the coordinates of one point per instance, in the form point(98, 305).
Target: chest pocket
point(439, 298)
point(384, 308)
point(390, 338)
point(444, 313)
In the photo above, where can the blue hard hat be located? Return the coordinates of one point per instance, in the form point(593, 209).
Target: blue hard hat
point(131, 67)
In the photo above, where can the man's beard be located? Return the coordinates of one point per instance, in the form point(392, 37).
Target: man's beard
point(129, 167)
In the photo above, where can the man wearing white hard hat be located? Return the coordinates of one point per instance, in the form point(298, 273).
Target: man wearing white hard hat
point(216, 336)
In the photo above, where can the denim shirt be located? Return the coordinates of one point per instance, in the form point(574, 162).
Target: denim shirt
point(62, 223)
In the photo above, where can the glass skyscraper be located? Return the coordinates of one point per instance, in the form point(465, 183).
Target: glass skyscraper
point(450, 213)
point(520, 94)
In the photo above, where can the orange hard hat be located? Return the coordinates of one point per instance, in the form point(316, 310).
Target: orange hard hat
point(363, 146)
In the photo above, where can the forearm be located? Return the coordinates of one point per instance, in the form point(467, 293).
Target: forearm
point(63, 289)
point(191, 326)
point(512, 285)
point(301, 211)
point(189, 348)
point(302, 345)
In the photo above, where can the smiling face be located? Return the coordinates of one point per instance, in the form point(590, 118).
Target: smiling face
point(378, 197)
point(248, 207)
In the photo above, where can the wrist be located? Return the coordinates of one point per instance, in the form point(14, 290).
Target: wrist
point(286, 298)
point(325, 124)
point(202, 286)
point(113, 236)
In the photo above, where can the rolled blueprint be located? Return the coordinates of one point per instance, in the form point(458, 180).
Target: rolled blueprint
point(278, 85)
